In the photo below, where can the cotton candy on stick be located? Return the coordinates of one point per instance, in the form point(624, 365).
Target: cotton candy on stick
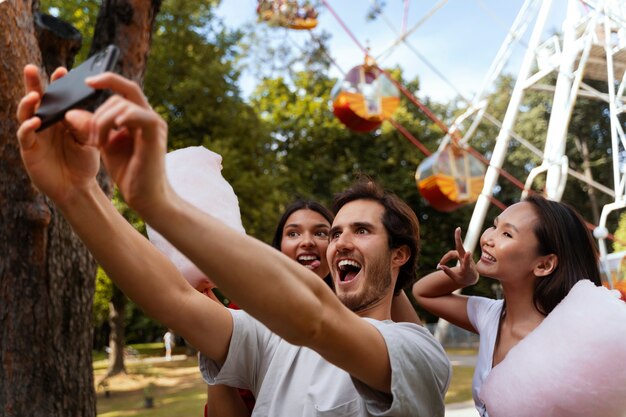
point(572, 365)
point(195, 174)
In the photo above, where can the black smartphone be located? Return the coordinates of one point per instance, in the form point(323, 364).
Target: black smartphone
point(71, 92)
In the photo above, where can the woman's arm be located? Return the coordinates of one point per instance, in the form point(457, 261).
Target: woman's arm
point(402, 310)
point(436, 291)
point(225, 401)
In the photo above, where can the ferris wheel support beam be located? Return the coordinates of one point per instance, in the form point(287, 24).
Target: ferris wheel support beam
point(504, 136)
point(563, 104)
point(614, 122)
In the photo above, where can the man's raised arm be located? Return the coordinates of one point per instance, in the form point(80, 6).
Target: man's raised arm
point(62, 164)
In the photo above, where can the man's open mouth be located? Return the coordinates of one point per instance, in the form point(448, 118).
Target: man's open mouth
point(348, 269)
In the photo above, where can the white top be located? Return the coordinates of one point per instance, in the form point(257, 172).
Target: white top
point(293, 381)
point(484, 314)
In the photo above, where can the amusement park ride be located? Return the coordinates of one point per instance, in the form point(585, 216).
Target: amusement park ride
point(592, 47)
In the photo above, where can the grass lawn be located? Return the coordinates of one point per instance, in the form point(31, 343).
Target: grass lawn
point(178, 388)
point(460, 388)
point(461, 385)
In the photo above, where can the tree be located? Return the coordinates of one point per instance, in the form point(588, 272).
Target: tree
point(191, 82)
point(46, 274)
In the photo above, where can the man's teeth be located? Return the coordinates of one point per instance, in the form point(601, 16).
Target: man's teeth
point(347, 262)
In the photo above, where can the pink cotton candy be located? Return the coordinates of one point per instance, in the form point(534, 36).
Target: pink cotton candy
point(572, 365)
point(195, 174)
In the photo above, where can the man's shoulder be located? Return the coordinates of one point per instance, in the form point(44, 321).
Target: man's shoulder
point(410, 332)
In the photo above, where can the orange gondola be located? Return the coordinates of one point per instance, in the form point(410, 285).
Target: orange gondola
point(364, 98)
point(287, 13)
point(615, 263)
point(450, 178)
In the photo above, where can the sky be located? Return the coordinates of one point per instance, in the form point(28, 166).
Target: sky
point(459, 39)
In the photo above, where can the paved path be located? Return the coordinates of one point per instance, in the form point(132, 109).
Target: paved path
point(462, 360)
point(464, 409)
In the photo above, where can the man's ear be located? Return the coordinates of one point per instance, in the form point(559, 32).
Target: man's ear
point(400, 256)
point(546, 265)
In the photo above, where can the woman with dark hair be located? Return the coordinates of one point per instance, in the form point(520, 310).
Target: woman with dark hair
point(302, 234)
point(538, 250)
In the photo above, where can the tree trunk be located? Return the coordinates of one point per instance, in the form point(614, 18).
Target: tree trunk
point(581, 144)
point(46, 274)
point(116, 336)
point(127, 24)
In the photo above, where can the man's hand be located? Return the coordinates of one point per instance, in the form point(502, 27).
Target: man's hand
point(57, 159)
point(133, 140)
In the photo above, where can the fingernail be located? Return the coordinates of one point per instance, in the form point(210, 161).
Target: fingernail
point(438, 266)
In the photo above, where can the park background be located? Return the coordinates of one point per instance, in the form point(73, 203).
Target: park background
point(259, 96)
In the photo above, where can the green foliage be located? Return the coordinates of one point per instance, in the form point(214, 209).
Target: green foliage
point(139, 327)
point(192, 82)
point(620, 234)
point(129, 214)
point(104, 290)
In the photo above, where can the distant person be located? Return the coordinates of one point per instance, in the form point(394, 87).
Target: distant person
point(343, 354)
point(168, 341)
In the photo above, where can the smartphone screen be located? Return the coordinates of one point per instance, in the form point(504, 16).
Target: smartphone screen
point(71, 92)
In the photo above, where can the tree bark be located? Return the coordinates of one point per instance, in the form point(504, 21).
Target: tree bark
point(46, 274)
point(116, 336)
point(581, 144)
point(59, 41)
point(127, 24)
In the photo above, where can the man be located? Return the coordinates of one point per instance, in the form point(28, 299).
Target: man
point(299, 348)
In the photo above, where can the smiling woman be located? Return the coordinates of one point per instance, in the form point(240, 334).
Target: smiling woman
point(302, 234)
point(538, 250)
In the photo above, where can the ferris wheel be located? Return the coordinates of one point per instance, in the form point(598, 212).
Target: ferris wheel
point(592, 47)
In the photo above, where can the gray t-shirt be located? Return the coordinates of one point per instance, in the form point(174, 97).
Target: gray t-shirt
point(294, 381)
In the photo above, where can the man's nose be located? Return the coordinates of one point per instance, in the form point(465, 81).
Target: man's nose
point(343, 242)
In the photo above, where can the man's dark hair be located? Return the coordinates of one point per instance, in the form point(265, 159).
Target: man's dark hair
point(399, 221)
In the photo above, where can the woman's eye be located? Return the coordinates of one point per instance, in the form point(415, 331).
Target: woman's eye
point(322, 234)
point(507, 234)
point(292, 234)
